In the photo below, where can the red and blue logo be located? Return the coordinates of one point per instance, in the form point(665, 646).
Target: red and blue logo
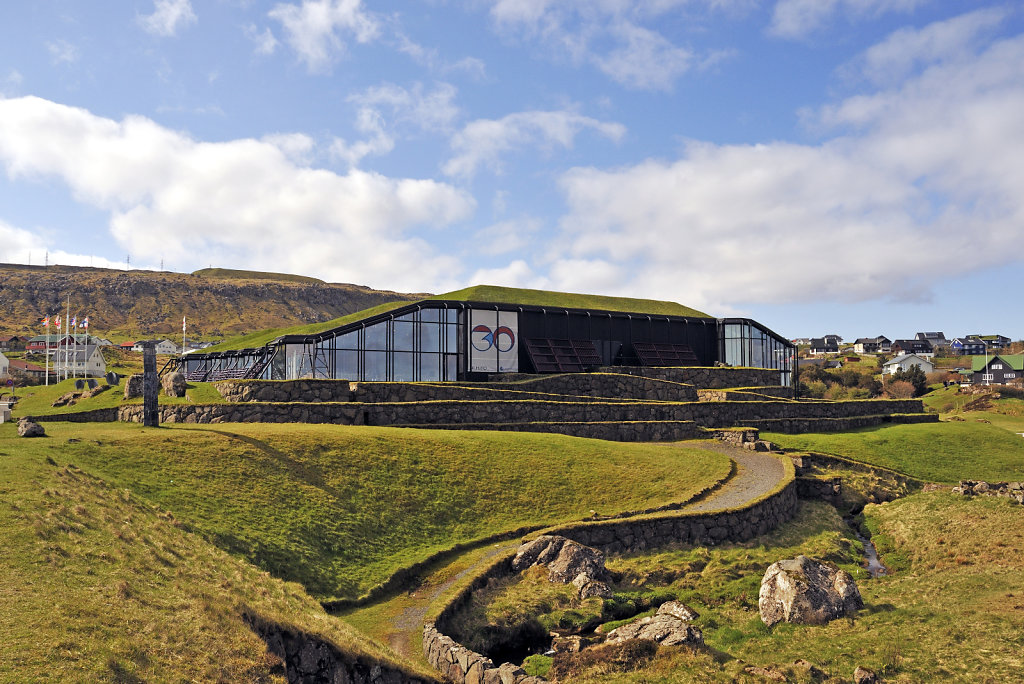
point(483, 338)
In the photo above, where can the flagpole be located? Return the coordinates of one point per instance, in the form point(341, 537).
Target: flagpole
point(46, 347)
point(67, 326)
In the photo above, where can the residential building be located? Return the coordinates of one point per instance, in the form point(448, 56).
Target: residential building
point(167, 347)
point(936, 339)
point(966, 346)
point(54, 341)
point(994, 341)
point(802, 341)
point(82, 361)
point(12, 343)
point(922, 348)
point(5, 366)
point(872, 345)
point(823, 345)
point(999, 369)
point(26, 369)
point(905, 362)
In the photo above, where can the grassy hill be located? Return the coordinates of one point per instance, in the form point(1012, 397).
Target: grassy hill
point(217, 302)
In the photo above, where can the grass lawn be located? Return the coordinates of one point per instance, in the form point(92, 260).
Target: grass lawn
point(340, 508)
point(37, 400)
point(953, 611)
point(940, 452)
point(98, 584)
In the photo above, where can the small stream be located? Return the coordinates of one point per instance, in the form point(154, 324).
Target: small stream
point(871, 563)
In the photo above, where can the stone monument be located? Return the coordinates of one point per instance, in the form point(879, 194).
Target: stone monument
point(150, 385)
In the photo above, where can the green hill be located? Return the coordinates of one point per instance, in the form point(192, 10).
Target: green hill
point(134, 304)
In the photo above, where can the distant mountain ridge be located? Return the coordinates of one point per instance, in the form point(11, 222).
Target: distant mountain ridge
point(216, 302)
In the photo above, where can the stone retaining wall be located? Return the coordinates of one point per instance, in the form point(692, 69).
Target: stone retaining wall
point(640, 431)
point(459, 664)
point(577, 386)
point(795, 426)
point(745, 394)
point(704, 377)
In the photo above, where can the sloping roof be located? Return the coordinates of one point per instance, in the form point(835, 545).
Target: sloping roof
point(1014, 361)
point(514, 295)
point(896, 360)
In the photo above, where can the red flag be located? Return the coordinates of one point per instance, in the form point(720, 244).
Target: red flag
point(46, 321)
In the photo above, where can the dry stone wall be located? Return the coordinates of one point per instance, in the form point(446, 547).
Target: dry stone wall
point(459, 664)
point(706, 377)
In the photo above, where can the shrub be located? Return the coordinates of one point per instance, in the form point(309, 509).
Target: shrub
point(899, 389)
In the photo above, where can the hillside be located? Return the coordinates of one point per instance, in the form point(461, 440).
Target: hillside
point(217, 302)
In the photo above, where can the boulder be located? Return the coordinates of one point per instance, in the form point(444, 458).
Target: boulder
point(565, 559)
point(133, 386)
point(174, 384)
point(863, 675)
point(666, 627)
point(30, 428)
point(588, 586)
point(807, 591)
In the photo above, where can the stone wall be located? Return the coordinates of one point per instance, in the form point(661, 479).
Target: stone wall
point(577, 386)
point(308, 658)
point(459, 664)
point(640, 431)
point(705, 377)
point(745, 394)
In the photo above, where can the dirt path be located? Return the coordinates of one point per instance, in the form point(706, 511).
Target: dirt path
point(757, 474)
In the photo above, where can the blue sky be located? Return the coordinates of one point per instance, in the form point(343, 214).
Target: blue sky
point(847, 166)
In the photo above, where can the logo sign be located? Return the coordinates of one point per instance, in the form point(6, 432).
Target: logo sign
point(493, 341)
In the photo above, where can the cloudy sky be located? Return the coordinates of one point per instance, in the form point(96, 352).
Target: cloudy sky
point(848, 166)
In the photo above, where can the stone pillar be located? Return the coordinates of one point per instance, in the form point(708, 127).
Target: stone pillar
point(150, 385)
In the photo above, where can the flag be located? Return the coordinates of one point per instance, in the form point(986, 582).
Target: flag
point(58, 321)
point(182, 325)
point(46, 321)
point(85, 323)
point(72, 323)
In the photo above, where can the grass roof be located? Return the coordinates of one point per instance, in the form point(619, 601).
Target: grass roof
point(513, 295)
point(478, 293)
point(1014, 361)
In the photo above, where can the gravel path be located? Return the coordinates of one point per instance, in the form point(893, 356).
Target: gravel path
point(757, 473)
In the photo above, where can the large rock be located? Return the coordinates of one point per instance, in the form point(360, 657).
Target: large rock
point(30, 428)
point(807, 591)
point(133, 386)
point(565, 559)
point(670, 626)
point(174, 384)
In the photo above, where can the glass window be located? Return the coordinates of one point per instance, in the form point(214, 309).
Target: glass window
point(402, 370)
point(346, 364)
point(451, 371)
point(376, 367)
point(430, 315)
point(377, 336)
point(410, 317)
point(451, 343)
point(429, 366)
point(430, 337)
point(347, 341)
point(403, 336)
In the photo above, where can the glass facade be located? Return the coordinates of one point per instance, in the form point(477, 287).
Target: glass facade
point(421, 345)
point(745, 343)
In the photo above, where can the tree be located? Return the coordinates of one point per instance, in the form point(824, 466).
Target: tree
point(915, 376)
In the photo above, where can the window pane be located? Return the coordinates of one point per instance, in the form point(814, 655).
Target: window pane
point(430, 337)
point(451, 338)
point(347, 341)
point(410, 317)
point(376, 366)
point(402, 367)
point(430, 315)
point(402, 340)
point(346, 366)
point(451, 371)
point(377, 337)
point(430, 366)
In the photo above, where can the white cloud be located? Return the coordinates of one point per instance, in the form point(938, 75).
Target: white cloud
point(315, 28)
point(619, 37)
point(517, 274)
point(798, 18)
point(917, 184)
point(266, 43)
point(484, 141)
point(506, 236)
point(431, 58)
point(62, 52)
point(244, 201)
point(168, 16)
point(20, 246)
point(908, 49)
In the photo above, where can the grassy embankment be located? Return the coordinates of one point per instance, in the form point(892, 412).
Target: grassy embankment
point(37, 400)
point(99, 584)
point(952, 611)
point(339, 509)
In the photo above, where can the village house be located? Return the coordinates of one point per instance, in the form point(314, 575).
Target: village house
point(4, 366)
point(25, 369)
point(83, 361)
point(871, 345)
point(966, 346)
point(824, 345)
point(12, 343)
point(905, 362)
point(936, 339)
point(994, 341)
point(922, 348)
point(999, 369)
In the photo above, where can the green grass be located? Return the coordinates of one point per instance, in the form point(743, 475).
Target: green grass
point(940, 452)
point(955, 613)
point(234, 274)
point(263, 337)
point(512, 295)
point(340, 508)
point(98, 584)
point(37, 400)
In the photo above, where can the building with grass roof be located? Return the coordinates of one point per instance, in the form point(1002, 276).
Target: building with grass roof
point(475, 333)
point(1001, 369)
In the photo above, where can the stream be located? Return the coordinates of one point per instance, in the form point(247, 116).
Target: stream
point(871, 562)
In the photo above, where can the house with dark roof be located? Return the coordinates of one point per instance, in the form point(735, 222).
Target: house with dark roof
point(936, 339)
point(966, 346)
point(994, 341)
point(12, 343)
point(872, 345)
point(998, 370)
point(823, 345)
point(922, 348)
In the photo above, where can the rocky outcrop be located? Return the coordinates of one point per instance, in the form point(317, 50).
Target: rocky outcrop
point(133, 386)
point(670, 626)
point(807, 591)
point(29, 428)
point(1008, 490)
point(564, 558)
point(173, 384)
point(863, 675)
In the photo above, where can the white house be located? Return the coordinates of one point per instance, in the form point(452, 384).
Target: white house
point(166, 347)
point(904, 362)
point(83, 361)
point(5, 366)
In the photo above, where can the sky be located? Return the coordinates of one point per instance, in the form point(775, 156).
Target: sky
point(823, 166)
